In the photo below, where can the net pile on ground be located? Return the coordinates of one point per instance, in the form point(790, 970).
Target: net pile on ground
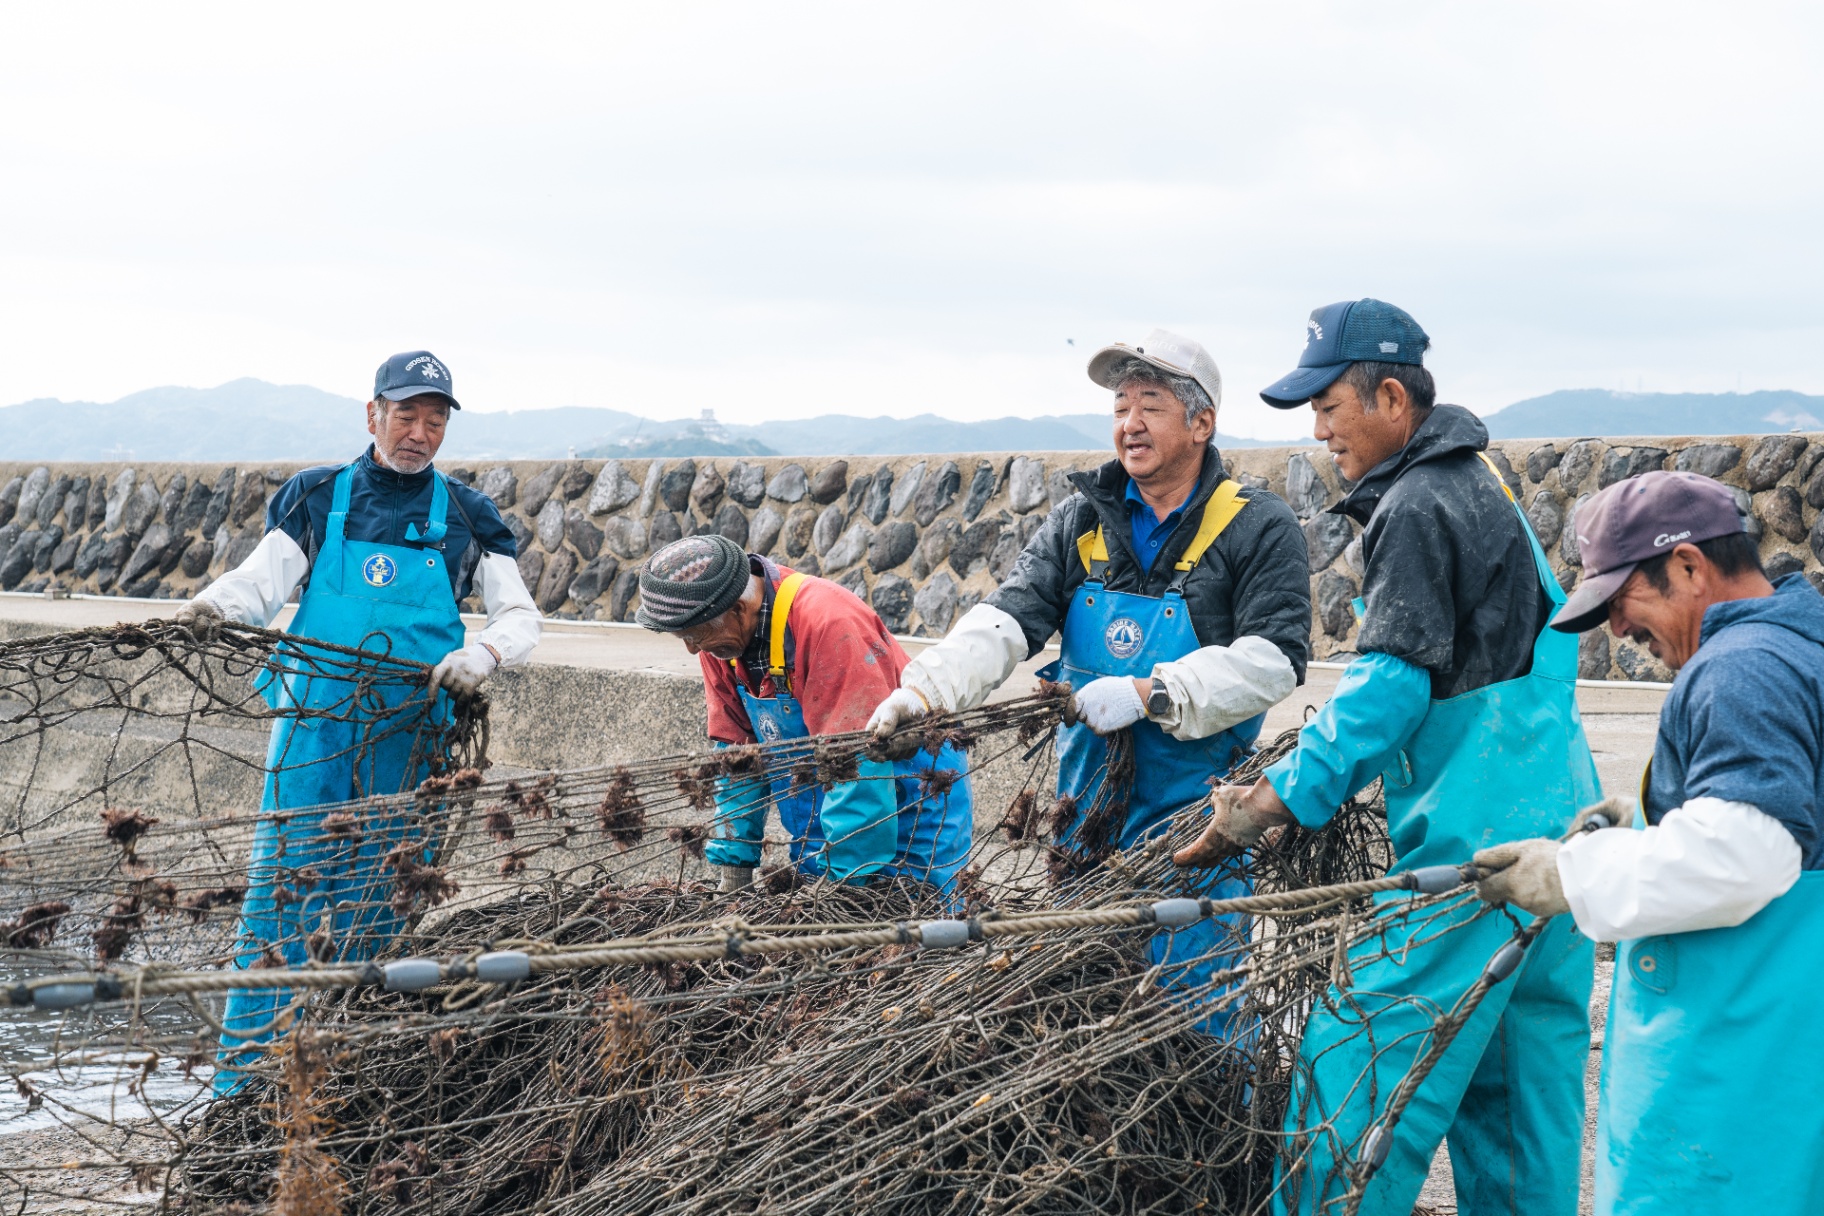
point(1047, 1071)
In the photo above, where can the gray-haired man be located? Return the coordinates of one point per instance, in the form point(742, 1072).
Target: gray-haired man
point(1184, 604)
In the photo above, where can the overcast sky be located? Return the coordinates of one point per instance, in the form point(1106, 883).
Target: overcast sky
point(784, 209)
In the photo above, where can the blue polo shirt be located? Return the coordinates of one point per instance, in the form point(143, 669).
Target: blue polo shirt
point(1149, 531)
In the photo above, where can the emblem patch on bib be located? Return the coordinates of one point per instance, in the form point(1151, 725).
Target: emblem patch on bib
point(1123, 637)
point(379, 570)
point(769, 729)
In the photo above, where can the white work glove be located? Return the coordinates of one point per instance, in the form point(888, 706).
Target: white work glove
point(1110, 704)
point(202, 618)
point(902, 706)
point(1525, 874)
point(462, 671)
point(1235, 826)
point(735, 878)
point(974, 659)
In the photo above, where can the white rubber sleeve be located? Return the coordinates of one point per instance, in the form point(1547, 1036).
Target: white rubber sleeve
point(514, 622)
point(1709, 864)
point(974, 659)
point(253, 592)
point(1215, 687)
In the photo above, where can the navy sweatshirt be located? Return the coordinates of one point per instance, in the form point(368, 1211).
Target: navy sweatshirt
point(1744, 721)
point(381, 504)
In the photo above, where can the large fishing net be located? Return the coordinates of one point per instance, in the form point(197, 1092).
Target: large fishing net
point(1036, 1040)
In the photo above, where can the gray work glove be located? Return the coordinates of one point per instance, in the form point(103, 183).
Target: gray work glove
point(1523, 873)
point(1235, 827)
point(202, 618)
point(735, 878)
point(902, 707)
point(1618, 811)
point(463, 670)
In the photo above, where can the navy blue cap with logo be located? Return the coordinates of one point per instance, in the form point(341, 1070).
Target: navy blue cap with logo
point(413, 373)
point(1354, 331)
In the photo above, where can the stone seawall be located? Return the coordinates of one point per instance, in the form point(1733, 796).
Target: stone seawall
point(922, 538)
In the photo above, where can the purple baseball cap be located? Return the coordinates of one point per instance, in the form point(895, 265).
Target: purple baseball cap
point(1633, 521)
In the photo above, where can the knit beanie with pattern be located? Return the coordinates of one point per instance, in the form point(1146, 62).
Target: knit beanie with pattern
point(691, 581)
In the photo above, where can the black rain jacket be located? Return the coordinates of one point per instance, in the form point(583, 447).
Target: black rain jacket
point(1450, 583)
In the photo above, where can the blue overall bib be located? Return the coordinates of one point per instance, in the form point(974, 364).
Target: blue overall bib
point(1504, 762)
point(1119, 633)
point(1713, 1069)
point(387, 598)
point(852, 831)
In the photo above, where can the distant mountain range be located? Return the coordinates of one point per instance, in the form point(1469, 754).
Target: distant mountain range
point(253, 420)
point(1579, 412)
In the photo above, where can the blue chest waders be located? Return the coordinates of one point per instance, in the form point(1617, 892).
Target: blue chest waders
point(1504, 762)
point(1713, 1068)
point(1117, 633)
point(387, 598)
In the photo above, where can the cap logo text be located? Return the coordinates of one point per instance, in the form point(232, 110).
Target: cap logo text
point(432, 370)
point(1665, 539)
point(1388, 348)
point(1317, 331)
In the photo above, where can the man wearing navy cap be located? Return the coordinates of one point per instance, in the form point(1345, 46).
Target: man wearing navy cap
point(385, 548)
point(1463, 704)
point(1713, 1069)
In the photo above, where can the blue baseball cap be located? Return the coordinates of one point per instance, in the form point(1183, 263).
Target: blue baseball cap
point(412, 374)
point(1354, 331)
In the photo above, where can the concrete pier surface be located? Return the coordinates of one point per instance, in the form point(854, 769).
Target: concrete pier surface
point(603, 693)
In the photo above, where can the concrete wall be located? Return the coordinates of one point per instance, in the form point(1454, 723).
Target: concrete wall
point(921, 537)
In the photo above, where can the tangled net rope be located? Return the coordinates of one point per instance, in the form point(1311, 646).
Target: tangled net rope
point(798, 1047)
point(153, 695)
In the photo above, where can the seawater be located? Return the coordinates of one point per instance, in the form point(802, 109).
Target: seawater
point(90, 1061)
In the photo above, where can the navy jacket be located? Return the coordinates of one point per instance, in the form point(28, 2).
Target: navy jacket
point(1450, 583)
point(380, 505)
point(1745, 719)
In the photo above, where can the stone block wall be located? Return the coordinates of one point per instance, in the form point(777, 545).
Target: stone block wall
point(922, 538)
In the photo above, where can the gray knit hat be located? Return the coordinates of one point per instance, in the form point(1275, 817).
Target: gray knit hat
point(691, 581)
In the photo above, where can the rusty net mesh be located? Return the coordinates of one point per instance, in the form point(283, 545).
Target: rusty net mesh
point(789, 1048)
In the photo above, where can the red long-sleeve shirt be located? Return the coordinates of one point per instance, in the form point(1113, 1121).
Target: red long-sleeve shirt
point(844, 664)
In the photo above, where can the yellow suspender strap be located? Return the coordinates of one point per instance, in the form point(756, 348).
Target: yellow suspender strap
point(1499, 480)
point(1224, 505)
point(782, 609)
point(1092, 549)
